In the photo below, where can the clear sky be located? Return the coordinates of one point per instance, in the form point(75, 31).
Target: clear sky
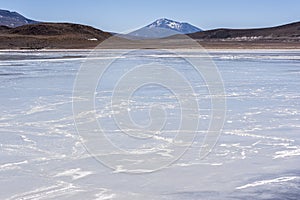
point(125, 15)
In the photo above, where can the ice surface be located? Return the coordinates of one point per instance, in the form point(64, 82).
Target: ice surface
point(256, 157)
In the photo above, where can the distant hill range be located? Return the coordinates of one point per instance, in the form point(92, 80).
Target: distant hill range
point(14, 19)
point(287, 31)
point(284, 36)
point(18, 32)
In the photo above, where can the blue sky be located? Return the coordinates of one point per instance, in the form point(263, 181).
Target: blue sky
point(124, 15)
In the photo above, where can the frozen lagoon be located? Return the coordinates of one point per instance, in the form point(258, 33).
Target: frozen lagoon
point(256, 157)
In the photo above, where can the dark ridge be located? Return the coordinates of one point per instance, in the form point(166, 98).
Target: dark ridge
point(58, 29)
point(4, 28)
point(291, 30)
point(51, 35)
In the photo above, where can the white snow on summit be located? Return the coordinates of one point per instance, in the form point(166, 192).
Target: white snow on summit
point(184, 28)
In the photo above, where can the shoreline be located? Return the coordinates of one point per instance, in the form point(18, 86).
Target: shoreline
point(157, 44)
point(208, 49)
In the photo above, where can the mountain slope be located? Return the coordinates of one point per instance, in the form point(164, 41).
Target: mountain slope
point(14, 19)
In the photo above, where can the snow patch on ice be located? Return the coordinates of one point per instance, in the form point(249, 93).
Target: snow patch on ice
point(11, 166)
point(103, 195)
point(287, 153)
point(244, 134)
point(47, 192)
point(269, 181)
point(74, 173)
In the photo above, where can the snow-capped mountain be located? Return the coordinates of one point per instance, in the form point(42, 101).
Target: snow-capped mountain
point(181, 27)
point(163, 28)
point(13, 19)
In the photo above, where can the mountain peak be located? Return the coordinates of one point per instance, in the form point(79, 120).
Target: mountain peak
point(180, 27)
point(13, 19)
point(163, 28)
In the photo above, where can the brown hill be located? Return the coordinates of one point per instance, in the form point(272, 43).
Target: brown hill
point(285, 31)
point(3, 28)
point(285, 36)
point(51, 35)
